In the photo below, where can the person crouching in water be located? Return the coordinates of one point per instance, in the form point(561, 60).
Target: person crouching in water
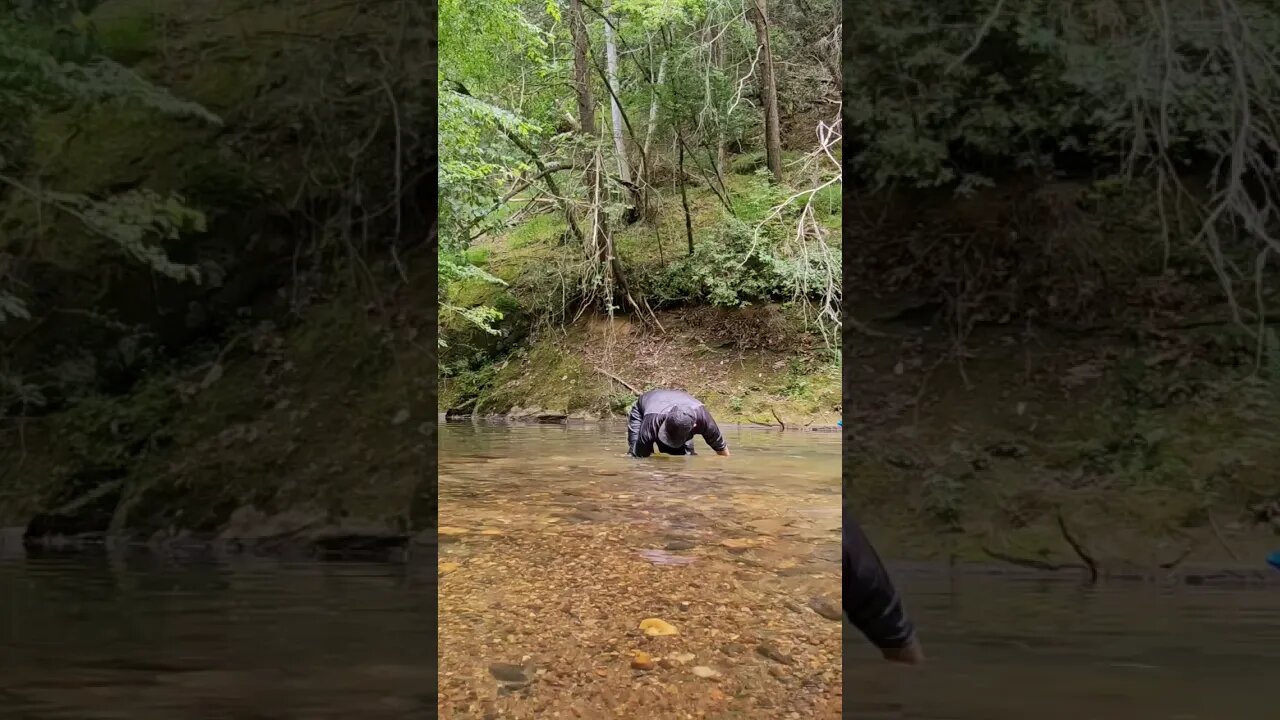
point(669, 419)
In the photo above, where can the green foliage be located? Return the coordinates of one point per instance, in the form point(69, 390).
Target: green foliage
point(33, 79)
point(929, 108)
point(738, 265)
point(131, 219)
point(453, 269)
point(128, 38)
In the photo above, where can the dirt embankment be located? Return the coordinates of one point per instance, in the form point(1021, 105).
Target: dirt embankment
point(755, 365)
point(1100, 452)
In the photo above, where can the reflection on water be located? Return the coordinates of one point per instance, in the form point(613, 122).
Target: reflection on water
point(1009, 647)
point(555, 546)
point(97, 637)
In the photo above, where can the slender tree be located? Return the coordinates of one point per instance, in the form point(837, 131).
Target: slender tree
point(768, 89)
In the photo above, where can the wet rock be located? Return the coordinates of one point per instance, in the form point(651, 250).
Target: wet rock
point(677, 545)
point(771, 651)
point(826, 607)
point(733, 649)
point(1006, 449)
point(642, 661)
point(448, 567)
point(737, 546)
point(705, 672)
point(660, 557)
point(770, 526)
point(512, 674)
point(902, 462)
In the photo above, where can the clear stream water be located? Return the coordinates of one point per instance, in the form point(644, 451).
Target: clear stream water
point(95, 637)
point(134, 637)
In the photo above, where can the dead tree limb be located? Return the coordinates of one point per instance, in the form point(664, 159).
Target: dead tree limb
point(1079, 549)
point(618, 380)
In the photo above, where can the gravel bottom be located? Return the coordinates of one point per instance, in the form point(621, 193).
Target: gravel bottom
point(543, 621)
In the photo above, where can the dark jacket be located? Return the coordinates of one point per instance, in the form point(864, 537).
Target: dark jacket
point(870, 600)
point(646, 415)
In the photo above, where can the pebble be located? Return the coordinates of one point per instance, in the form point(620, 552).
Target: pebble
point(772, 652)
point(511, 673)
point(826, 607)
point(703, 671)
point(642, 661)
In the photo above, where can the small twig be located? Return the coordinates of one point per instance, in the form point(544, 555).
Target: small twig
point(1213, 525)
point(1186, 552)
point(982, 34)
point(618, 380)
point(1075, 544)
point(1027, 562)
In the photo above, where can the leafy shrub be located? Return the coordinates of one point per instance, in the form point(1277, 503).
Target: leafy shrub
point(738, 265)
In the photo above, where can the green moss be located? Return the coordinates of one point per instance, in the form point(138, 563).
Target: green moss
point(539, 230)
point(548, 378)
point(127, 35)
point(226, 83)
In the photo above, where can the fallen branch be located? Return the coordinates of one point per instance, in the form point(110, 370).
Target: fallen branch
point(775, 417)
point(1028, 562)
point(1186, 552)
point(1075, 544)
point(618, 380)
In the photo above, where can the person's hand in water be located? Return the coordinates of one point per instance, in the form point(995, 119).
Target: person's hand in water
point(910, 654)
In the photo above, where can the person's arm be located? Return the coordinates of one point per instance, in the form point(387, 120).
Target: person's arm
point(871, 602)
point(711, 432)
point(646, 432)
point(633, 428)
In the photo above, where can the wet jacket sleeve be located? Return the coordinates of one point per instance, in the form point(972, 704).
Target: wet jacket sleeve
point(870, 600)
point(710, 431)
point(641, 433)
point(633, 428)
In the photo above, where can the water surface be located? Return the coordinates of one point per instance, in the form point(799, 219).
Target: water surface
point(89, 637)
point(1008, 647)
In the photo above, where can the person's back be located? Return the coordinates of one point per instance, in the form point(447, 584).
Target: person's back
point(669, 418)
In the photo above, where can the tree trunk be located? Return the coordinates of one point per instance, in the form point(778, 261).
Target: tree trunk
point(647, 153)
point(600, 246)
point(722, 155)
point(768, 90)
point(581, 74)
point(684, 198)
point(611, 64)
